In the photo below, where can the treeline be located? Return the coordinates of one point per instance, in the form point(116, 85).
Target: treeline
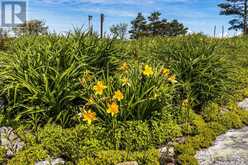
point(153, 25)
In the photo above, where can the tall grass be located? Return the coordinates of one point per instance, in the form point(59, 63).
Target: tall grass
point(204, 74)
point(40, 75)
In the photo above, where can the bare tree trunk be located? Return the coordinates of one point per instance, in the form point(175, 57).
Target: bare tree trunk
point(245, 17)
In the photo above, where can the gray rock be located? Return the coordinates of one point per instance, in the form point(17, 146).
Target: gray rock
point(58, 161)
point(228, 149)
point(244, 104)
point(2, 102)
point(10, 141)
point(129, 163)
point(167, 154)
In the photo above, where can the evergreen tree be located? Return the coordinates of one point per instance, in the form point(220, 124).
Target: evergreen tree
point(176, 28)
point(237, 8)
point(138, 28)
point(155, 26)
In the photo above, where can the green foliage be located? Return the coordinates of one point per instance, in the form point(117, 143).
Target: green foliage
point(186, 159)
point(211, 112)
point(185, 149)
point(155, 26)
point(231, 120)
point(134, 136)
point(164, 131)
point(143, 96)
point(119, 30)
point(203, 74)
point(239, 12)
point(112, 157)
point(3, 152)
point(29, 155)
point(40, 75)
point(217, 128)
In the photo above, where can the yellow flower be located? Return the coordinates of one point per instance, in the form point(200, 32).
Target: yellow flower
point(118, 95)
point(124, 67)
point(165, 72)
point(172, 79)
point(99, 88)
point(113, 109)
point(125, 82)
point(89, 117)
point(148, 71)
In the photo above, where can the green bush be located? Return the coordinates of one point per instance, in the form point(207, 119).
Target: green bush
point(211, 112)
point(217, 128)
point(230, 120)
point(134, 135)
point(3, 152)
point(186, 159)
point(29, 155)
point(149, 157)
point(164, 131)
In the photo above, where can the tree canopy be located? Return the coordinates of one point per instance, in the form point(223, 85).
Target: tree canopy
point(119, 30)
point(153, 25)
point(237, 9)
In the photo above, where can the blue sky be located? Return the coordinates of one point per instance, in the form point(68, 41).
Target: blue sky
point(62, 15)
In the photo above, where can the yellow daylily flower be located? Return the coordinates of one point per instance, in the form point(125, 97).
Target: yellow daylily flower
point(148, 71)
point(118, 95)
point(165, 72)
point(113, 109)
point(172, 79)
point(99, 88)
point(89, 117)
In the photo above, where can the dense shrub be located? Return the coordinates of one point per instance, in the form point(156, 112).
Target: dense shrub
point(29, 155)
point(112, 157)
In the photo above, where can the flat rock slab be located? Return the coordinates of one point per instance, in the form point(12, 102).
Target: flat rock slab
point(57, 161)
point(244, 104)
point(228, 149)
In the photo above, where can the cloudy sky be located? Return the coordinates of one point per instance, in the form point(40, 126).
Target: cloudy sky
point(62, 15)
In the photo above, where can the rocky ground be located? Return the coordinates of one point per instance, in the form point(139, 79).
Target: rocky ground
point(228, 149)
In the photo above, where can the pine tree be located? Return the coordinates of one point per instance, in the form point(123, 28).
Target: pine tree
point(155, 23)
point(237, 8)
point(138, 27)
point(155, 26)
